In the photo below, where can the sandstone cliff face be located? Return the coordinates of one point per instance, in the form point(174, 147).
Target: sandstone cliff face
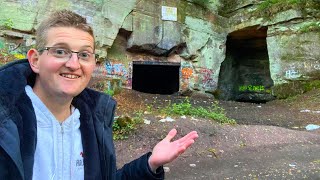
point(237, 50)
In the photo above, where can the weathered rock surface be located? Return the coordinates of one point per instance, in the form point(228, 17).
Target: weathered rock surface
point(201, 36)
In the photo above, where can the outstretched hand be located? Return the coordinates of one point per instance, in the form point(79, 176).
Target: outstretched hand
point(166, 151)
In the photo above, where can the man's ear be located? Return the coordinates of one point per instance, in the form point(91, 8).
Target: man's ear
point(33, 58)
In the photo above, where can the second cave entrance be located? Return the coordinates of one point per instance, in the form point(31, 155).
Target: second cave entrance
point(245, 73)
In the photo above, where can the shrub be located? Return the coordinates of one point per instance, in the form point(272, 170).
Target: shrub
point(6, 56)
point(124, 125)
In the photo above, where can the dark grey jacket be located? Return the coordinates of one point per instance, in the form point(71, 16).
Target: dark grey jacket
point(18, 131)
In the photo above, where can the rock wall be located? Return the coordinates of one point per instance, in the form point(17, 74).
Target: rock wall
point(196, 37)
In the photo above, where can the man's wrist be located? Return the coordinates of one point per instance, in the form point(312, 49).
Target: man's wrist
point(151, 164)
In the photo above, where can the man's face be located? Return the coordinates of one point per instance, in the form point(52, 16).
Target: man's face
point(58, 78)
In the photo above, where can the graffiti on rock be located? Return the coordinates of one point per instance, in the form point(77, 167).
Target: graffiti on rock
point(116, 70)
point(99, 71)
point(207, 81)
point(296, 70)
point(129, 76)
point(186, 72)
point(252, 88)
point(291, 74)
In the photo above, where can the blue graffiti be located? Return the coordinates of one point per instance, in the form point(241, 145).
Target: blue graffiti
point(116, 69)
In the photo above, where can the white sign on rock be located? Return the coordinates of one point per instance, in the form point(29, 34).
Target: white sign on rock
point(169, 13)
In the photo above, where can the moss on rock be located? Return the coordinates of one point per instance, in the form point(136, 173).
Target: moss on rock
point(294, 88)
point(269, 8)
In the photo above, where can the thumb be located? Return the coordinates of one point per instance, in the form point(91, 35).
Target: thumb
point(171, 135)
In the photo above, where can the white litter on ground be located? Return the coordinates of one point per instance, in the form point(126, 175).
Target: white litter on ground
point(167, 119)
point(305, 110)
point(146, 121)
point(166, 169)
point(311, 127)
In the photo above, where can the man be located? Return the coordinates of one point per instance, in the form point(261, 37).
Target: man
point(52, 126)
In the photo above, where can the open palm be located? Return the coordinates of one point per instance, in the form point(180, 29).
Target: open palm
point(166, 151)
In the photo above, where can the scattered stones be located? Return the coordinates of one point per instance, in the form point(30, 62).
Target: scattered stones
point(305, 110)
point(293, 164)
point(309, 111)
point(194, 119)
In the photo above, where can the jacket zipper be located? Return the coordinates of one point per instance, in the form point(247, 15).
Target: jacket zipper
point(62, 161)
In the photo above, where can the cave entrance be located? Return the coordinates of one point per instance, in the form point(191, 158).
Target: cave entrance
point(155, 77)
point(245, 73)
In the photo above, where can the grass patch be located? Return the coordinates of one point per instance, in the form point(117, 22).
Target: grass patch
point(109, 92)
point(214, 112)
point(124, 125)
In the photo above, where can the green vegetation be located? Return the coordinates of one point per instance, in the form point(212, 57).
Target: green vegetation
point(106, 85)
point(214, 112)
point(312, 26)
point(227, 7)
point(284, 3)
point(294, 88)
point(7, 56)
point(270, 7)
point(124, 125)
point(8, 23)
point(316, 161)
point(109, 92)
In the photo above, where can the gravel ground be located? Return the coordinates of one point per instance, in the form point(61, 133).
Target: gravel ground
point(269, 141)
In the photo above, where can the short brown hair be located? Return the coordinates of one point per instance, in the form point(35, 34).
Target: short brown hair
point(62, 18)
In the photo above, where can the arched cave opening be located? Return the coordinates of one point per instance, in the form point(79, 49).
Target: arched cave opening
point(245, 73)
point(155, 77)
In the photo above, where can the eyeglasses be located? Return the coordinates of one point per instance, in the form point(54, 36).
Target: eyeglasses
point(65, 54)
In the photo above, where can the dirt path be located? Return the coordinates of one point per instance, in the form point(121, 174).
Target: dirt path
point(269, 142)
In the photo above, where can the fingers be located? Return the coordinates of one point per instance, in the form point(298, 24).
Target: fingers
point(190, 136)
point(183, 147)
point(186, 141)
point(171, 134)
